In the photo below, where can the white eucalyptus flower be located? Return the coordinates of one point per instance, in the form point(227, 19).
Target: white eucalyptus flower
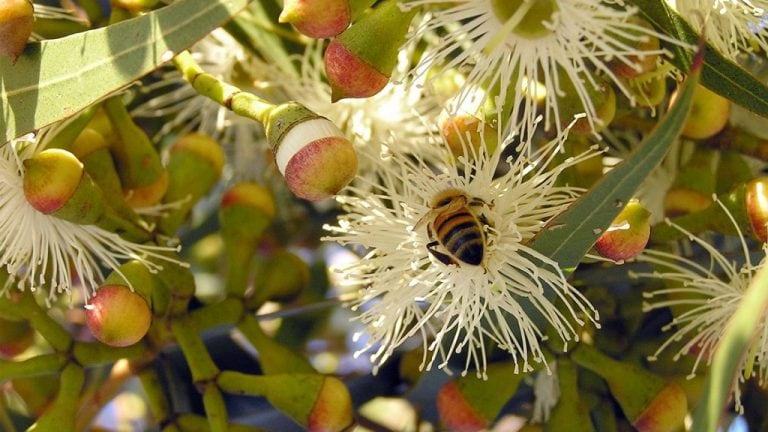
point(412, 286)
point(731, 26)
point(532, 51)
point(704, 295)
point(43, 251)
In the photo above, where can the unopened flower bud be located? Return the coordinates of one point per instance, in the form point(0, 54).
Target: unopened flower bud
point(693, 186)
point(466, 134)
point(757, 206)
point(15, 337)
point(644, 43)
point(135, 5)
point(16, 20)
point(55, 183)
point(570, 105)
point(246, 211)
point(708, 115)
point(282, 277)
point(650, 402)
point(648, 89)
point(471, 403)
point(318, 19)
point(332, 410)
point(627, 235)
point(117, 316)
point(360, 61)
point(194, 167)
point(532, 25)
point(312, 154)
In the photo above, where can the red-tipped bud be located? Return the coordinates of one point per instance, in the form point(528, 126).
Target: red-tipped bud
point(627, 235)
point(757, 206)
point(16, 20)
point(333, 408)
point(246, 210)
point(360, 61)
point(312, 154)
point(56, 183)
point(456, 412)
point(147, 195)
point(117, 316)
point(640, 42)
point(349, 75)
point(318, 19)
point(15, 337)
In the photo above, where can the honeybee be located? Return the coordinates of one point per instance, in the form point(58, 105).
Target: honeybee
point(454, 225)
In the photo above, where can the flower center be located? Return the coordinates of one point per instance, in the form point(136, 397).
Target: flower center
point(525, 18)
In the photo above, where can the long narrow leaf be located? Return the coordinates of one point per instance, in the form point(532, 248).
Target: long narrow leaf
point(55, 79)
point(726, 364)
point(567, 238)
point(719, 74)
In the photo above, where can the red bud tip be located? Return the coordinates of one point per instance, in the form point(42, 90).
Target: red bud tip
point(317, 19)
point(332, 411)
point(665, 413)
point(117, 316)
point(250, 195)
point(757, 206)
point(316, 160)
point(350, 76)
point(456, 412)
point(627, 235)
point(50, 179)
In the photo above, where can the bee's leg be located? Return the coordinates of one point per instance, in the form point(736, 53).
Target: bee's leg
point(443, 258)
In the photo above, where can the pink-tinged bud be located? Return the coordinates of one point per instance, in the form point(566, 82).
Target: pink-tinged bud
point(333, 408)
point(360, 61)
point(317, 19)
point(15, 337)
point(639, 63)
point(16, 20)
point(311, 153)
point(627, 235)
point(117, 316)
point(456, 412)
point(757, 206)
point(349, 75)
point(664, 412)
point(51, 178)
point(147, 195)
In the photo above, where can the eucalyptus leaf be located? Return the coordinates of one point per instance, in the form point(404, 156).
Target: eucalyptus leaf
point(568, 237)
point(719, 74)
point(55, 79)
point(739, 333)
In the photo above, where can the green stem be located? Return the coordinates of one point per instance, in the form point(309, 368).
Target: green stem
point(95, 353)
point(240, 102)
point(243, 384)
point(25, 306)
point(92, 402)
point(239, 255)
point(227, 311)
point(200, 362)
point(39, 365)
point(62, 413)
point(215, 409)
point(156, 399)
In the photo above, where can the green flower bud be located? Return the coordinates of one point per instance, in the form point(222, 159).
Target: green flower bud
point(650, 402)
point(570, 105)
point(466, 133)
point(282, 277)
point(311, 153)
point(135, 5)
point(708, 115)
point(117, 316)
point(55, 183)
point(531, 24)
point(360, 61)
point(318, 19)
point(16, 20)
point(471, 403)
point(638, 64)
point(246, 211)
point(627, 235)
point(194, 167)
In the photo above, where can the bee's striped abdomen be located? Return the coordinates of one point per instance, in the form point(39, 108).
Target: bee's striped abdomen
point(461, 235)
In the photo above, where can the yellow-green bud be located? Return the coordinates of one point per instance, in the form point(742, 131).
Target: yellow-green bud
point(245, 212)
point(627, 235)
point(117, 316)
point(282, 277)
point(318, 19)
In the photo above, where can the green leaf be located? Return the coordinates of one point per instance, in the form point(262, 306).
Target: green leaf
point(55, 79)
point(739, 333)
point(720, 74)
point(568, 237)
